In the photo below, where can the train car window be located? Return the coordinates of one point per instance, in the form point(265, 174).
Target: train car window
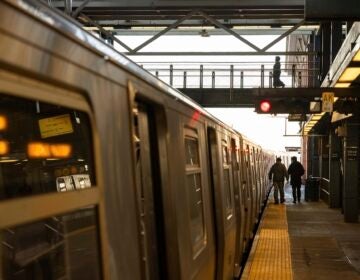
point(43, 148)
point(225, 154)
point(192, 153)
point(60, 247)
point(194, 191)
point(227, 183)
point(47, 148)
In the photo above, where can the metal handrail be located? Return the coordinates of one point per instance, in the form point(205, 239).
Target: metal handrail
point(299, 76)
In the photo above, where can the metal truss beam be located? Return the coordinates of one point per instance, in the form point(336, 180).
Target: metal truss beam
point(174, 25)
point(218, 53)
point(228, 30)
point(211, 32)
point(291, 30)
point(253, 4)
point(194, 21)
point(106, 32)
point(80, 8)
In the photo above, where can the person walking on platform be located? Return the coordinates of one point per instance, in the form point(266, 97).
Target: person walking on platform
point(278, 173)
point(296, 170)
point(276, 73)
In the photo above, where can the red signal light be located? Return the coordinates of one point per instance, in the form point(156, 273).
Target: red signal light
point(265, 106)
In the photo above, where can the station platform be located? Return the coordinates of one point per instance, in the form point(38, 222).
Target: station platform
point(301, 241)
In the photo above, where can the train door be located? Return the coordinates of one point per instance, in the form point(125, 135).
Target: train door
point(245, 195)
point(254, 184)
point(263, 176)
point(222, 183)
point(149, 192)
point(239, 205)
point(250, 188)
point(257, 179)
point(195, 217)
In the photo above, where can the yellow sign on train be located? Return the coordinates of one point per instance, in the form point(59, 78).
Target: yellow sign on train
point(55, 126)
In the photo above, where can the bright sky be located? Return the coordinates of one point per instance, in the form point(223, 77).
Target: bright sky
point(266, 130)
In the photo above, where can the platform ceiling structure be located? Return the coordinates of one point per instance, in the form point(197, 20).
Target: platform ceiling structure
point(184, 17)
point(162, 13)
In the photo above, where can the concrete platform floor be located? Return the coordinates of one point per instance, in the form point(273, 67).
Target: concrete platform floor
point(322, 245)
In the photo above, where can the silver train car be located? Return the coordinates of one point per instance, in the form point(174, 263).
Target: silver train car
point(107, 172)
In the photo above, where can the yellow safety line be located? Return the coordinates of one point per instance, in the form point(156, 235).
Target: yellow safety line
point(270, 257)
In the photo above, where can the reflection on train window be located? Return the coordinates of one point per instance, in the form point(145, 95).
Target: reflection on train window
point(192, 155)
point(225, 154)
point(227, 190)
point(227, 182)
point(194, 192)
point(43, 148)
point(60, 247)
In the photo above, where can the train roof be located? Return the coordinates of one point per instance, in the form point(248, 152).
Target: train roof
point(70, 28)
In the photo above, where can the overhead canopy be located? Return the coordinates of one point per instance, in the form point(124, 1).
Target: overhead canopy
point(161, 12)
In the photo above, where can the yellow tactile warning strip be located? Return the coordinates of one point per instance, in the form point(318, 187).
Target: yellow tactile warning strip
point(270, 256)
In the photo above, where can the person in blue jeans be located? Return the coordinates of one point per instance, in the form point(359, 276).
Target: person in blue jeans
point(277, 174)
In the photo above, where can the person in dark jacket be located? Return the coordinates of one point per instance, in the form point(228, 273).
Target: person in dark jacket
point(276, 73)
point(278, 173)
point(296, 170)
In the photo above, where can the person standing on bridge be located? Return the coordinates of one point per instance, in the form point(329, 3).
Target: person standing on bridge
point(276, 73)
point(296, 170)
point(278, 173)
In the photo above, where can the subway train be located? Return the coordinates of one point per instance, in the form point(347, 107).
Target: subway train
point(108, 173)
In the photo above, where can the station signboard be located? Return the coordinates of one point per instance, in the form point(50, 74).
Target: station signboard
point(327, 101)
point(292, 149)
point(297, 117)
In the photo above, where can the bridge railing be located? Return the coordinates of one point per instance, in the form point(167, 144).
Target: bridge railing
point(223, 75)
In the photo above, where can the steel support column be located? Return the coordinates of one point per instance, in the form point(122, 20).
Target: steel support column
point(349, 24)
point(317, 59)
point(336, 39)
point(314, 157)
point(68, 7)
point(325, 157)
point(326, 41)
point(351, 172)
point(334, 171)
point(311, 63)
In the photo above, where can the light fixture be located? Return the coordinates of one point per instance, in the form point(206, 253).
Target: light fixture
point(204, 33)
point(342, 85)
point(3, 122)
point(350, 74)
point(8, 160)
point(60, 150)
point(357, 56)
point(46, 150)
point(316, 118)
point(4, 147)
